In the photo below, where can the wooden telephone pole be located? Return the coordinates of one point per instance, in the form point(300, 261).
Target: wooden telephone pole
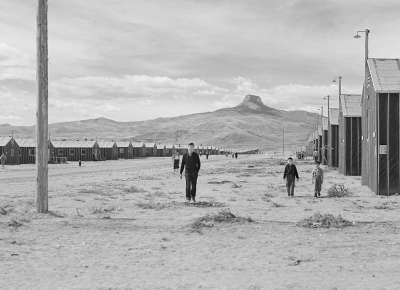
point(283, 142)
point(42, 154)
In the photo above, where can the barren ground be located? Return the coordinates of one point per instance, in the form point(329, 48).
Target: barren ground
point(123, 225)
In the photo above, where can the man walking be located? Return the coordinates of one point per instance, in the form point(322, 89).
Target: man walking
point(191, 165)
point(290, 175)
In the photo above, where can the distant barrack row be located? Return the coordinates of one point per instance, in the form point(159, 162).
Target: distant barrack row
point(23, 150)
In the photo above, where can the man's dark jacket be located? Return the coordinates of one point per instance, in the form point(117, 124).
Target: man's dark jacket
point(191, 164)
point(290, 170)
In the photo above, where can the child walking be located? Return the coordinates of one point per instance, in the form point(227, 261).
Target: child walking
point(317, 179)
point(290, 175)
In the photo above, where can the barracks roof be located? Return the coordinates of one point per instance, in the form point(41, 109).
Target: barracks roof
point(334, 116)
point(73, 144)
point(26, 142)
point(325, 123)
point(137, 144)
point(106, 144)
point(351, 105)
point(123, 144)
point(385, 74)
point(319, 131)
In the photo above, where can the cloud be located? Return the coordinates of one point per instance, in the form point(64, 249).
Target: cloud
point(14, 64)
point(133, 60)
point(132, 87)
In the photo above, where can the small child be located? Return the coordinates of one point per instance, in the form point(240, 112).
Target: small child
point(317, 178)
point(290, 175)
point(175, 159)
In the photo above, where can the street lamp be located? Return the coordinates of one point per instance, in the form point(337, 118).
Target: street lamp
point(339, 84)
point(357, 36)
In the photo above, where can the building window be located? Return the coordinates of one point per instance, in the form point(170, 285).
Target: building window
point(12, 152)
point(61, 152)
point(71, 152)
point(31, 152)
point(83, 152)
point(121, 150)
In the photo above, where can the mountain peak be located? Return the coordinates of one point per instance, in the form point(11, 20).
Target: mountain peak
point(253, 99)
point(254, 104)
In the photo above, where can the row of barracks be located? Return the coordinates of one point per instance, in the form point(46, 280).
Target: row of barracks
point(23, 150)
point(362, 136)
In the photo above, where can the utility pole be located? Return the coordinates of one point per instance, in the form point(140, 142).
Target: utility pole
point(322, 114)
point(283, 143)
point(366, 44)
point(42, 110)
point(340, 86)
point(366, 57)
point(327, 148)
point(328, 97)
point(320, 144)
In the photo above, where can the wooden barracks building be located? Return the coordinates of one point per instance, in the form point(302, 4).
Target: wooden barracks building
point(10, 148)
point(76, 150)
point(381, 126)
point(350, 134)
point(333, 138)
point(324, 148)
point(318, 135)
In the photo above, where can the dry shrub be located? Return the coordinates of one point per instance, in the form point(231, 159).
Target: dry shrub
point(3, 211)
point(338, 190)
point(220, 182)
point(133, 189)
point(319, 220)
point(224, 216)
point(151, 205)
point(207, 204)
point(244, 175)
point(14, 223)
point(269, 195)
point(101, 210)
point(282, 162)
point(275, 204)
point(235, 185)
point(91, 191)
point(148, 177)
point(387, 206)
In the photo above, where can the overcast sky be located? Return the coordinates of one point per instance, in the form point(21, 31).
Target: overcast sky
point(132, 60)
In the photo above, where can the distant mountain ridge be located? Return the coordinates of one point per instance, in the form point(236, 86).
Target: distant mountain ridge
point(249, 125)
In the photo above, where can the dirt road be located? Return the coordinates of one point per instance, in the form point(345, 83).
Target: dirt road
point(123, 225)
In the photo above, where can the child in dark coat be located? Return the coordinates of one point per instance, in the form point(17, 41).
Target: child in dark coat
point(317, 179)
point(290, 175)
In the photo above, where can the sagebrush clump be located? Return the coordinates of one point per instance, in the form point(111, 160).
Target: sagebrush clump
point(338, 190)
point(319, 220)
point(223, 216)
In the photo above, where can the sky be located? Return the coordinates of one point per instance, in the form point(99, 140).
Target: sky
point(132, 60)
